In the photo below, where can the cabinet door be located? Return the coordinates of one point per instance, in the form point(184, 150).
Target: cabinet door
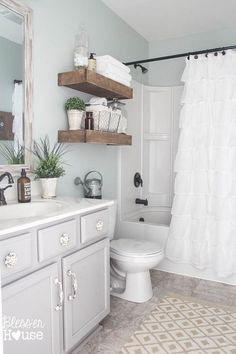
point(30, 318)
point(86, 306)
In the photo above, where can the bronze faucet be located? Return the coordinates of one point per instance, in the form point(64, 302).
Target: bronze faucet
point(10, 181)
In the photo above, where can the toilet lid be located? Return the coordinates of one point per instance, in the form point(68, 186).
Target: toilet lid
point(131, 247)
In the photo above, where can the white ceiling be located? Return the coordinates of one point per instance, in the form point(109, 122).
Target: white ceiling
point(163, 19)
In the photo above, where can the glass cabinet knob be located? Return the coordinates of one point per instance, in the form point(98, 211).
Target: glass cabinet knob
point(10, 260)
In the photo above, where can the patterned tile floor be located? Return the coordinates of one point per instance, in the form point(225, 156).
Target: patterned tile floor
point(125, 317)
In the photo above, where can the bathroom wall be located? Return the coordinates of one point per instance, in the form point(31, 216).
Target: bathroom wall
point(55, 24)
point(168, 72)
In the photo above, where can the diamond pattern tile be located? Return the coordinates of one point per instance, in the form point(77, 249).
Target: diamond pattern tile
point(179, 326)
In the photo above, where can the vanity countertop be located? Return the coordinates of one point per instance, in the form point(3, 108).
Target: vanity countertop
point(68, 207)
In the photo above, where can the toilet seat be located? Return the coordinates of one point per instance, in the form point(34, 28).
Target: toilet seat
point(135, 248)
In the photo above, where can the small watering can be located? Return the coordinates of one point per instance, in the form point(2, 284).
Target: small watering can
point(92, 186)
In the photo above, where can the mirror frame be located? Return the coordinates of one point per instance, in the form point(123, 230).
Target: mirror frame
point(26, 13)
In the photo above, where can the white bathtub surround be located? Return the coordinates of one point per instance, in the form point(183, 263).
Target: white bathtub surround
point(202, 231)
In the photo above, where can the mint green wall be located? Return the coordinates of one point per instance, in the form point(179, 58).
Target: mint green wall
point(168, 72)
point(55, 25)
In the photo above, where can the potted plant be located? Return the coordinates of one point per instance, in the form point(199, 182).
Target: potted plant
point(75, 109)
point(49, 165)
point(11, 154)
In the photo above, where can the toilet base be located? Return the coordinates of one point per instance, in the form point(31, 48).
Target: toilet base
point(138, 288)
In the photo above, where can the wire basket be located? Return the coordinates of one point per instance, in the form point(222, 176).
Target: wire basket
point(106, 121)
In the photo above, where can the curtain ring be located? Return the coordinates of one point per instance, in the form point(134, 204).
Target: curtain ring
point(223, 52)
point(195, 56)
point(206, 55)
point(215, 54)
point(188, 57)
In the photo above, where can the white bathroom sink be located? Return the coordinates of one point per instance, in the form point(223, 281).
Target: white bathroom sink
point(30, 210)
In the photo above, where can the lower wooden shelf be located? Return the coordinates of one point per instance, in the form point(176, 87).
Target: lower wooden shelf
point(93, 137)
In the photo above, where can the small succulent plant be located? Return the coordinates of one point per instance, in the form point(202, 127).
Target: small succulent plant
point(75, 103)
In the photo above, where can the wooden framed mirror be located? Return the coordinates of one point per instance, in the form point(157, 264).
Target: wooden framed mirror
point(16, 82)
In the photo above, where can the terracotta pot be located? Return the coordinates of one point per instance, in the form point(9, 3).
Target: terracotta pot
point(74, 118)
point(49, 186)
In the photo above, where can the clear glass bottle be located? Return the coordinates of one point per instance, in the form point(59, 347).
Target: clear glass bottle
point(81, 49)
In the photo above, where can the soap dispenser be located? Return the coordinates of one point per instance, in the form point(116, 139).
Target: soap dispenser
point(24, 188)
point(92, 62)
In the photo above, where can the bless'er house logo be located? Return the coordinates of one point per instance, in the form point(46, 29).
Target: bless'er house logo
point(27, 329)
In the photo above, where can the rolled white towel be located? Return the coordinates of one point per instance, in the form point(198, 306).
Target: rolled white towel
point(96, 108)
point(98, 100)
point(108, 59)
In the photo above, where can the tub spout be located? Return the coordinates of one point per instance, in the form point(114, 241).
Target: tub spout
point(141, 201)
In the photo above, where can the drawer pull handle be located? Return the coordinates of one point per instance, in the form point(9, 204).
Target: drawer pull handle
point(74, 285)
point(61, 295)
point(11, 260)
point(99, 225)
point(64, 240)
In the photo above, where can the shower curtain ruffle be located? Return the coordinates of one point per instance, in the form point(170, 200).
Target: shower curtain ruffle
point(203, 226)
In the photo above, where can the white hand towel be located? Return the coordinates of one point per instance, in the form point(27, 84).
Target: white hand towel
point(96, 108)
point(108, 59)
point(17, 112)
point(117, 78)
point(112, 70)
point(98, 100)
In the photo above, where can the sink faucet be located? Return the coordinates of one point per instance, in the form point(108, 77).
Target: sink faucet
point(2, 190)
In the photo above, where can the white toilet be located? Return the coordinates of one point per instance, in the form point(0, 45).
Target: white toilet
point(131, 261)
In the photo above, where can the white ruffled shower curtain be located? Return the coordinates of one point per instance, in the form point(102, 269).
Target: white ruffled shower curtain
point(203, 226)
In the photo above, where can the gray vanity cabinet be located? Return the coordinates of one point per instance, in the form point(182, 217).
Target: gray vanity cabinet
point(32, 300)
point(86, 290)
point(55, 283)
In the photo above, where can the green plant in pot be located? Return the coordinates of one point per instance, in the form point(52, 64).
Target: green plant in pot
point(75, 107)
point(13, 155)
point(49, 165)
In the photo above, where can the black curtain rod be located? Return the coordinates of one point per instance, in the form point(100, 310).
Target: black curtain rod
point(180, 55)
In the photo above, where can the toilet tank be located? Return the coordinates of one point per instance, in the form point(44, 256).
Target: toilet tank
point(112, 219)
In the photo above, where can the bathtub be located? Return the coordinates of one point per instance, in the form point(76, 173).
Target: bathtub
point(149, 223)
point(151, 215)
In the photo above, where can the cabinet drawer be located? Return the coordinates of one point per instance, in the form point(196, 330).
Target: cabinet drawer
point(94, 225)
point(56, 239)
point(16, 254)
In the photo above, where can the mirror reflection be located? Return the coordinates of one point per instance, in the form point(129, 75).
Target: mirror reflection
point(11, 87)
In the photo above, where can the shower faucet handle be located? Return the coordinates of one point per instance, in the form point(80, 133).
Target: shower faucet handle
point(138, 180)
point(141, 201)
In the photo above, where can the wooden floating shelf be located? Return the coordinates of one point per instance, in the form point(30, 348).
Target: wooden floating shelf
point(93, 137)
point(94, 84)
